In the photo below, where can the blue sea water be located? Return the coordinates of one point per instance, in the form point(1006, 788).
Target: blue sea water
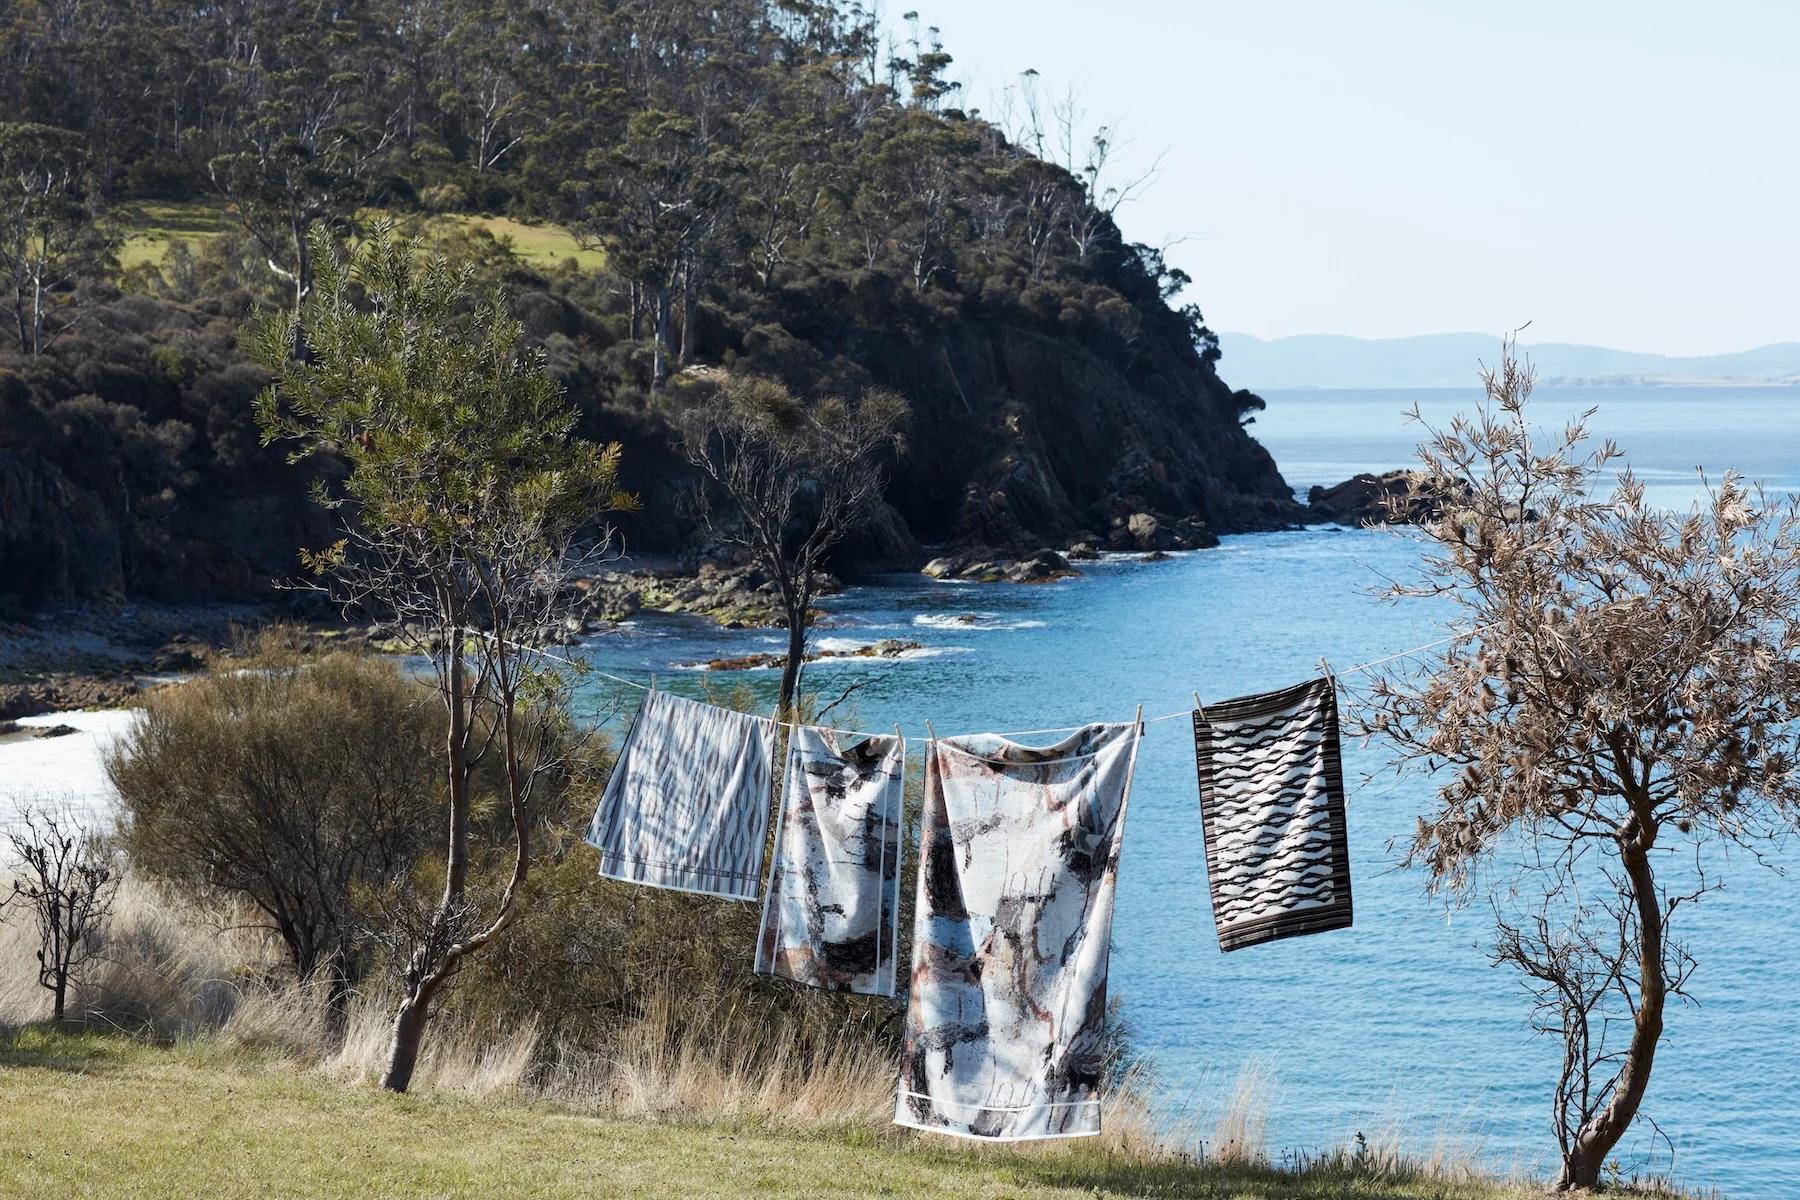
point(1398, 1027)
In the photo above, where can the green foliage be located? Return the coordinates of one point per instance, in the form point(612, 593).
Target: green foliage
point(297, 784)
point(752, 185)
point(455, 434)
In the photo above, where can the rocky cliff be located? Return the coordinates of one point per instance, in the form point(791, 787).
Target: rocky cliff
point(129, 466)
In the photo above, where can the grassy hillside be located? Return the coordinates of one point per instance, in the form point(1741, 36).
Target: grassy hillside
point(102, 1116)
point(153, 225)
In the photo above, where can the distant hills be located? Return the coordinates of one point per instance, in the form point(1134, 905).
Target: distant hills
point(1327, 360)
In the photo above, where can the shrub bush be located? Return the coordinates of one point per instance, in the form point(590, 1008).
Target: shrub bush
point(296, 784)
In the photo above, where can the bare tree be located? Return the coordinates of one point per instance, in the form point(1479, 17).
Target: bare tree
point(801, 474)
point(1623, 695)
point(473, 508)
point(67, 882)
point(1058, 131)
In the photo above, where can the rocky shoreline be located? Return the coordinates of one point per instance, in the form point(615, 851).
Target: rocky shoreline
point(93, 658)
point(98, 658)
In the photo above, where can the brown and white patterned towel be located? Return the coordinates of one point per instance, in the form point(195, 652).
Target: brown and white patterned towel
point(1272, 809)
point(687, 805)
point(1007, 1018)
point(831, 917)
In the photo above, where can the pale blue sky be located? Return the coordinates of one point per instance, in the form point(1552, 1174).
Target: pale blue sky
point(1626, 174)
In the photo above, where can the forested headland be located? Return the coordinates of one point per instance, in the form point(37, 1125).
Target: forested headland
point(759, 186)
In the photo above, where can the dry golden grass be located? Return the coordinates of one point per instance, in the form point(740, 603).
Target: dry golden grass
point(198, 1071)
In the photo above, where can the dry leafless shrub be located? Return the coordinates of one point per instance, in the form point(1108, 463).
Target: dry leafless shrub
point(66, 880)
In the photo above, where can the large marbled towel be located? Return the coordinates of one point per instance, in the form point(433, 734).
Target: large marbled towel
point(687, 805)
point(1272, 809)
point(1005, 1031)
point(831, 917)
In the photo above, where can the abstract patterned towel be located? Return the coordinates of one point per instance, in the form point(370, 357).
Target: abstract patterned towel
point(832, 913)
point(1272, 809)
point(687, 806)
point(1005, 1028)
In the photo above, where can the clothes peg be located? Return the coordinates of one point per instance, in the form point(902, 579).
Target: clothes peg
point(1199, 707)
point(1140, 720)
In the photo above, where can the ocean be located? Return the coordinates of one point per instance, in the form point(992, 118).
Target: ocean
point(1398, 1027)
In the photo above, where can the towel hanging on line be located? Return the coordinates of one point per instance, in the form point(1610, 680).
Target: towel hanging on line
point(1006, 1021)
point(1272, 811)
point(687, 804)
point(831, 916)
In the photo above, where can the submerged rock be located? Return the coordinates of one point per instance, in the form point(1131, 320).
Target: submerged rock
point(886, 648)
point(982, 565)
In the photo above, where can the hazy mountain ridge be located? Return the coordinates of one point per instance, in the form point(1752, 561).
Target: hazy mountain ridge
point(1328, 360)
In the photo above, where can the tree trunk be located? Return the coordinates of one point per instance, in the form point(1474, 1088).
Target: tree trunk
point(21, 319)
point(1596, 1139)
point(659, 371)
point(796, 599)
point(456, 865)
point(790, 670)
point(690, 303)
point(61, 994)
point(302, 263)
point(409, 1021)
point(409, 1035)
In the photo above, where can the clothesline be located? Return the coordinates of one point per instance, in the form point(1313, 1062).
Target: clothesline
point(1016, 733)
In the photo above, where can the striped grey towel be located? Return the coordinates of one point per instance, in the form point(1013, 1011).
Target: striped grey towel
point(687, 805)
point(1272, 809)
point(1006, 1020)
point(832, 913)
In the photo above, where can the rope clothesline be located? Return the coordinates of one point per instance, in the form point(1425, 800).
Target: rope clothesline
point(1016, 733)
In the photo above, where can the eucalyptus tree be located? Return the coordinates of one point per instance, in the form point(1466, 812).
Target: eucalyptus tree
point(309, 125)
point(1621, 703)
point(470, 504)
point(51, 234)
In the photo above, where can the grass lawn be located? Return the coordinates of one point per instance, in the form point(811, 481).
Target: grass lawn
point(153, 225)
point(97, 1115)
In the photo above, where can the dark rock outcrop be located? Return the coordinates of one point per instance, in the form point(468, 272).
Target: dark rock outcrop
point(1401, 496)
point(732, 595)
